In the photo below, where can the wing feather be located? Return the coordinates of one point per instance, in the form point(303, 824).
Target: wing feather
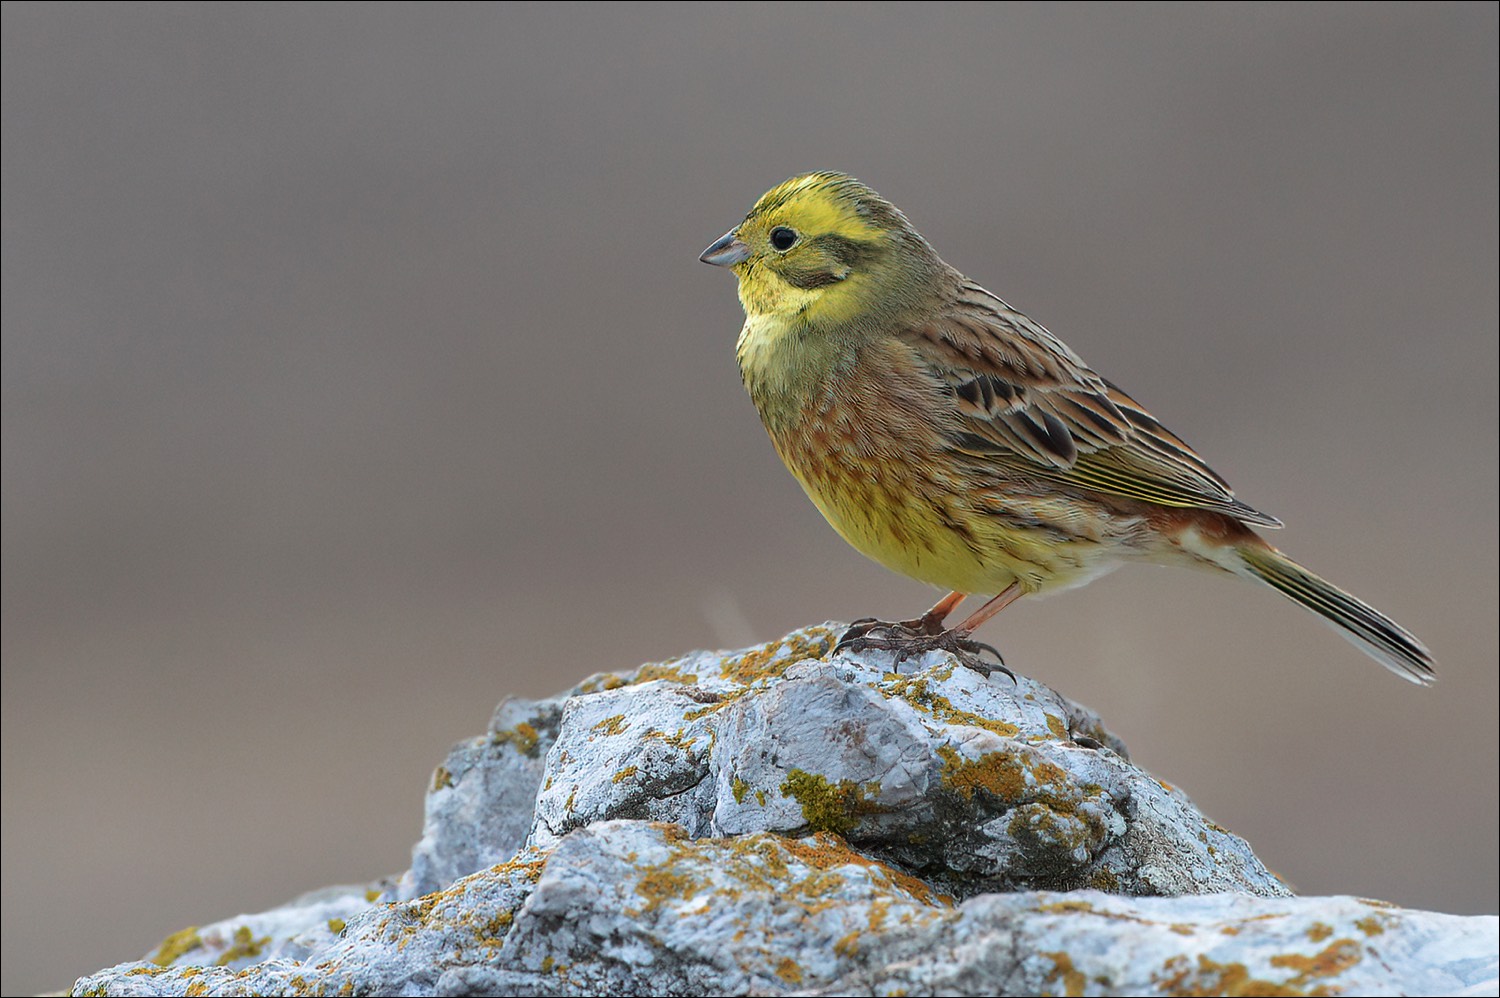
point(1022, 398)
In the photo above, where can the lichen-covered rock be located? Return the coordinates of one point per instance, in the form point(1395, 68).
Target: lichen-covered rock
point(480, 804)
point(781, 820)
point(637, 908)
point(979, 783)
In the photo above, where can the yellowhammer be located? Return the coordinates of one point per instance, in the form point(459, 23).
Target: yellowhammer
point(951, 438)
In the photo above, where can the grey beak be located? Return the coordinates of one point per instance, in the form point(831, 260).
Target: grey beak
point(726, 251)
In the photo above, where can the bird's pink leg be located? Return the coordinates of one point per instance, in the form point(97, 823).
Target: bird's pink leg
point(931, 622)
point(976, 619)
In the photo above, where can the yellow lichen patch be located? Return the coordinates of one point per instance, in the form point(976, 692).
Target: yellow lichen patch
point(761, 862)
point(523, 736)
point(611, 725)
point(678, 741)
point(739, 788)
point(771, 660)
point(914, 690)
point(848, 946)
point(245, 947)
point(789, 971)
point(493, 929)
point(1319, 931)
point(712, 708)
point(603, 681)
point(1182, 929)
point(830, 807)
point(879, 909)
point(669, 671)
point(372, 895)
point(670, 830)
point(421, 909)
point(760, 797)
point(1179, 976)
point(1104, 880)
point(1058, 728)
point(1084, 908)
point(547, 963)
point(531, 869)
point(441, 778)
point(1370, 925)
point(337, 925)
point(1073, 979)
point(660, 884)
point(826, 852)
point(1330, 962)
point(625, 774)
point(175, 945)
point(1041, 823)
point(1010, 776)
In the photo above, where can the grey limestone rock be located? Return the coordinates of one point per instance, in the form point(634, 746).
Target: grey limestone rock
point(779, 820)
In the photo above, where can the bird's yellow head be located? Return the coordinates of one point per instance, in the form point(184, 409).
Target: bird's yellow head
point(822, 248)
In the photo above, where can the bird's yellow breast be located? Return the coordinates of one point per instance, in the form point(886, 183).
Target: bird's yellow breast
point(863, 452)
point(859, 429)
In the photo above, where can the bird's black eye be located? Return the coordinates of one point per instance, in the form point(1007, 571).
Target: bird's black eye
point(783, 238)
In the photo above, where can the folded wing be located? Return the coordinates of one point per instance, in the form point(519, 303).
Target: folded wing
point(1023, 399)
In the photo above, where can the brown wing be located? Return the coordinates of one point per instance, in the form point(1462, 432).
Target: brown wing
point(1023, 398)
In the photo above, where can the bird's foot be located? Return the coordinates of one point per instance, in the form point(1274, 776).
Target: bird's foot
point(916, 627)
point(911, 638)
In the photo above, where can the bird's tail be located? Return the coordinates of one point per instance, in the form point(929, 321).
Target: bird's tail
point(1369, 630)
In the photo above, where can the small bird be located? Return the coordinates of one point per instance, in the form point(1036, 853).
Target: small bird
point(953, 439)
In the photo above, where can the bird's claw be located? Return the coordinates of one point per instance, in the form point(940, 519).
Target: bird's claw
point(910, 638)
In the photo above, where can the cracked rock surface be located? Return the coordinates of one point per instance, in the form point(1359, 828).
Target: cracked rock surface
point(776, 820)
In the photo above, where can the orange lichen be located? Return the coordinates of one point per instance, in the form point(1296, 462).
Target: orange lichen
point(668, 671)
point(1012, 776)
point(1180, 976)
point(914, 690)
point(180, 942)
point(246, 947)
point(773, 659)
point(1073, 979)
point(1330, 962)
point(611, 725)
point(524, 737)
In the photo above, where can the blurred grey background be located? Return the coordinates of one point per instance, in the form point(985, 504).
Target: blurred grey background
point(359, 371)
